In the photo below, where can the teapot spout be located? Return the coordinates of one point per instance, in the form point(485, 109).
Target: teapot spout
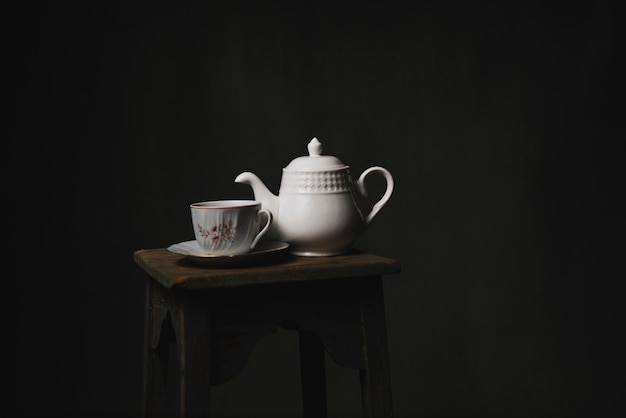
point(261, 192)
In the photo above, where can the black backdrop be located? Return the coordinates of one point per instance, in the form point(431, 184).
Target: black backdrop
point(500, 124)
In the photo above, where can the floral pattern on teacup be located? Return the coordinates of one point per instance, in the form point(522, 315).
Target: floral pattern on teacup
point(226, 232)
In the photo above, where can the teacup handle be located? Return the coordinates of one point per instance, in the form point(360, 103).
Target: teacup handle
point(360, 186)
point(268, 214)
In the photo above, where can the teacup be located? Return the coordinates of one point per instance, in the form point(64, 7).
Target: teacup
point(229, 227)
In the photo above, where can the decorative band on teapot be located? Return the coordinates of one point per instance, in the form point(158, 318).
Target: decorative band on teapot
point(335, 181)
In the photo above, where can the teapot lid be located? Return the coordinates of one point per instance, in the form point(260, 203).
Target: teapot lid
point(315, 160)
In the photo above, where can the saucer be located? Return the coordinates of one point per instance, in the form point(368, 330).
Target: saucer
point(192, 251)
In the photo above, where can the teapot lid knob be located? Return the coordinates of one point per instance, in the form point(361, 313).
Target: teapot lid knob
point(315, 160)
point(314, 147)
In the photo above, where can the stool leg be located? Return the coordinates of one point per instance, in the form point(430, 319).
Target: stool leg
point(155, 356)
point(192, 328)
point(313, 375)
point(155, 381)
point(375, 378)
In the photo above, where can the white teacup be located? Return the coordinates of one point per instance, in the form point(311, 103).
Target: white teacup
point(229, 227)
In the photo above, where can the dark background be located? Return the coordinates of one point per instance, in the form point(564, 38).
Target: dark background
point(501, 126)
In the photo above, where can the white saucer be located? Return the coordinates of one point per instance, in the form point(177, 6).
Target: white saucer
point(193, 251)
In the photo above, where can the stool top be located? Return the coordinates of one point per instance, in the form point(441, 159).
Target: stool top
point(175, 271)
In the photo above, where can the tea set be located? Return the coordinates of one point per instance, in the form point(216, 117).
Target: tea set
point(314, 214)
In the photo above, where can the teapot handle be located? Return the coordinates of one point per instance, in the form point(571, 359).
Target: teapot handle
point(360, 187)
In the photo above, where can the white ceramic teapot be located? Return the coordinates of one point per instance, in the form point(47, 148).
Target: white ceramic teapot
point(316, 211)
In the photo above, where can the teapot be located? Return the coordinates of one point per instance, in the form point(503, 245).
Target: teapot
point(316, 212)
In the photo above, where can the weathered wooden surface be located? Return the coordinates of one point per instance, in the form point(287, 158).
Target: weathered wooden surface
point(175, 271)
point(217, 324)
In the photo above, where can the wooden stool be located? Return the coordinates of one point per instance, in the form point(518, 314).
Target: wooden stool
point(218, 314)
